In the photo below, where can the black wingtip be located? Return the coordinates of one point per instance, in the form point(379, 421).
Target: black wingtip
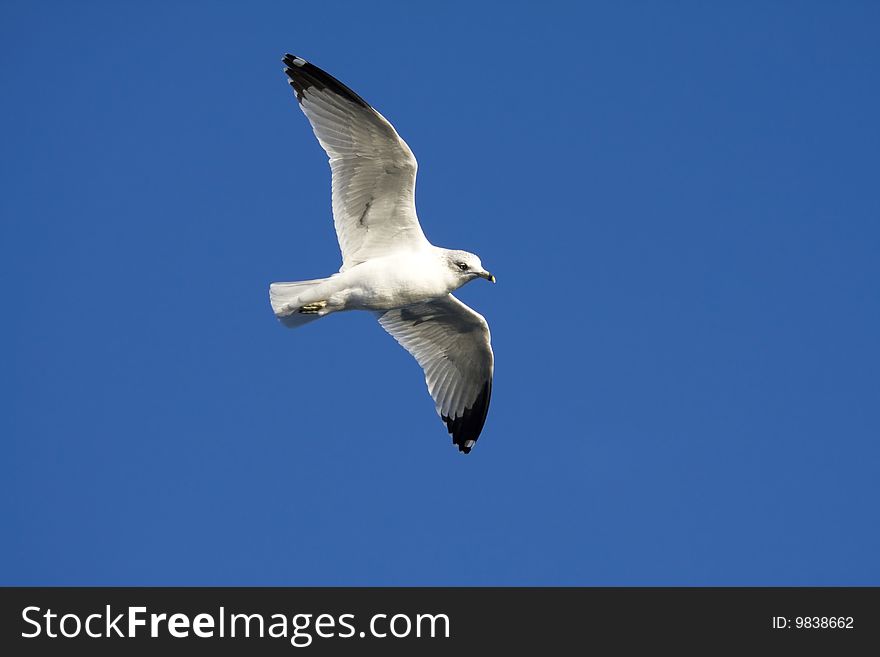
point(466, 428)
point(304, 75)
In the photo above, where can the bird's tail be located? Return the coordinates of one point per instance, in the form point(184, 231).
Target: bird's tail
point(289, 299)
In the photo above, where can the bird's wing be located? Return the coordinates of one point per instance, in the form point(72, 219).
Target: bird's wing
point(451, 343)
point(374, 171)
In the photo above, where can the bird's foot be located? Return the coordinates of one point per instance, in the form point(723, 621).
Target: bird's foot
point(313, 308)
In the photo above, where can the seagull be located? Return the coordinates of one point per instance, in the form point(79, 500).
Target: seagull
point(388, 265)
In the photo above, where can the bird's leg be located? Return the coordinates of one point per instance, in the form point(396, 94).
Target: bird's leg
point(313, 308)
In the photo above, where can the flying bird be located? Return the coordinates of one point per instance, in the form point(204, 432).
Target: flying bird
point(388, 265)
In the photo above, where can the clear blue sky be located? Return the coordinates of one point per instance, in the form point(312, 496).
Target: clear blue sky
point(681, 204)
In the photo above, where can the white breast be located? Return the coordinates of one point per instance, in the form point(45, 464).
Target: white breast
point(394, 281)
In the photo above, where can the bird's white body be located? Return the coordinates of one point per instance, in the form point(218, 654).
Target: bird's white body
point(388, 265)
point(401, 279)
point(379, 284)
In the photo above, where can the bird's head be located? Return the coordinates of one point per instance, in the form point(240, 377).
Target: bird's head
point(465, 267)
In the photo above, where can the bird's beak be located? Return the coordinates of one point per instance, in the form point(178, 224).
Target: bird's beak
point(489, 277)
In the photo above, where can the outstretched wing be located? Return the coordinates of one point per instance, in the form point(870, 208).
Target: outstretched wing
point(451, 342)
point(374, 171)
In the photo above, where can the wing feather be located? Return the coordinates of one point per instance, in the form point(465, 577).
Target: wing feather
point(452, 344)
point(373, 169)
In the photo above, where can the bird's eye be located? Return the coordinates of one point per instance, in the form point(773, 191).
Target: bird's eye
point(462, 266)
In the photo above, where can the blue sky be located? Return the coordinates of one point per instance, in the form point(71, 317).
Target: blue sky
point(681, 204)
